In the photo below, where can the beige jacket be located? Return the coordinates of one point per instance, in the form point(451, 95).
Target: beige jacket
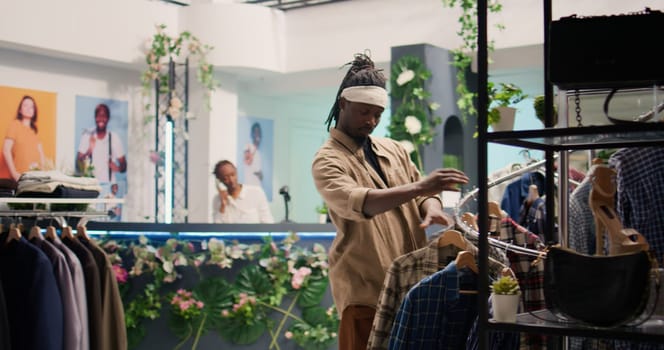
point(364, 247)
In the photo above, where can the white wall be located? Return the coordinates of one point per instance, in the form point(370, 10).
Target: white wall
point(69, 79)
point(271, 64)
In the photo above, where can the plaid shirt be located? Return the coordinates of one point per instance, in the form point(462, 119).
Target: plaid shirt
point(640, 188)
point(405, 272)
point(531, 279)
point(533, 217)
point(434, 315)
point(640, 200)
point(581, 228)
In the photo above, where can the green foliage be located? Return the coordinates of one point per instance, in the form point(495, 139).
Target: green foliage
point(504, 96)
point(240, 312)
point(538, 105)
point(468, 32)
point(322, 209)
point(162, 48)
point(413, 120)
point(505, 285)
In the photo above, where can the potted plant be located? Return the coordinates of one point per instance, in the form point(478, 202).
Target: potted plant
point(505, 294)
point(322, 213)
point(538, 105)
point(501, 100)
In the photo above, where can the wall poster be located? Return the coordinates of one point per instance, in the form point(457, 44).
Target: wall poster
point(27, 129)
point(255, 158)
point(101, 130)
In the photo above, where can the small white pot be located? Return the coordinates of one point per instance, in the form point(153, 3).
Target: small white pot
point(322, 218)
point(505, 307)
point(506, 123)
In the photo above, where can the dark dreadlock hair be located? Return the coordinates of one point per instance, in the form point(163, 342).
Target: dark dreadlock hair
point(362, 72)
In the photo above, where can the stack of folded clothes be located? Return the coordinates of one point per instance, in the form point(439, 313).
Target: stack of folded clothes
point(54, 184)
point(7, 187)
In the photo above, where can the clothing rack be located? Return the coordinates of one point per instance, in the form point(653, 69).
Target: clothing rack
point(492, 241)
point(58, 216)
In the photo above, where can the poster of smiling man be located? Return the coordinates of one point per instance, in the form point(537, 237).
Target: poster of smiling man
point(27, 130)
point(101, 144)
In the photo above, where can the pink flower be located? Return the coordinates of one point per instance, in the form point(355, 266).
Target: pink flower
point(288, 335)
point(121, 274)
point(298, 277)
point(225, 313)
point(199, 304)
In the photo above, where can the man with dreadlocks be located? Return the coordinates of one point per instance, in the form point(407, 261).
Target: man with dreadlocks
point(376, 198)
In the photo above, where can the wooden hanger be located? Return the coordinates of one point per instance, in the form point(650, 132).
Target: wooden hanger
point(35, 233)
point(51, 233)
point(533, 194)
point(13, 235)
point(66, 233)
point(495, 215)
point(494, 209)
point(452, 237)
point(466, 259)
point(82, 233)
point(470, 220)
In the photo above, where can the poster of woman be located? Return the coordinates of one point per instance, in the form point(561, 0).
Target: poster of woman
point(27, 129)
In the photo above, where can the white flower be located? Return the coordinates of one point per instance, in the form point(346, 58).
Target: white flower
point(413, 125)
point(410, 148)
point(434, 106)
point(405, 77)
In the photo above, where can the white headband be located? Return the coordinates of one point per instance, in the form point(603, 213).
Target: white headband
point(373, 95)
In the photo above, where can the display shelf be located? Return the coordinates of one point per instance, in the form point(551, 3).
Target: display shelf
point(545, 322)
point(62, 200)
point(586, 137)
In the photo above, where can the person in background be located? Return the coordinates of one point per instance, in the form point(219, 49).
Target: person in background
point(376, 197)
point(253, 166)
point(238, 203)
point(115, 212)
point(102, 149)
point(22, 148)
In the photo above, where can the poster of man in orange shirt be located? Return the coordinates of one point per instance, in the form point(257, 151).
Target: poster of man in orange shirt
point(27, 131)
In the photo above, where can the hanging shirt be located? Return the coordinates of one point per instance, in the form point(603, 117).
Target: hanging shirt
point(434, 315)
point(640, 192)
point(517, 191)
point(581, 228)
point(73, 329)
point(405, 272)
point(34, 307)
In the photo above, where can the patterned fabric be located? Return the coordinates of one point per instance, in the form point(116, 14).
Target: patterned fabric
point(434, 314)
point(405, 272)
point(531, 278)
point(640, 189)
point(517, 191)
point(496, 340)
point(581, 228)
point(640, 198)
point(533, 217)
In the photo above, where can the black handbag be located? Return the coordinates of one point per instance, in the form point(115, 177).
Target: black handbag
point(606, 51)
point(605, 291)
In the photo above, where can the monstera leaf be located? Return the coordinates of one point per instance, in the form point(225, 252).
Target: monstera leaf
point(314, 291)
point(253, 280)
point(216, 295)
point(237, 331)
